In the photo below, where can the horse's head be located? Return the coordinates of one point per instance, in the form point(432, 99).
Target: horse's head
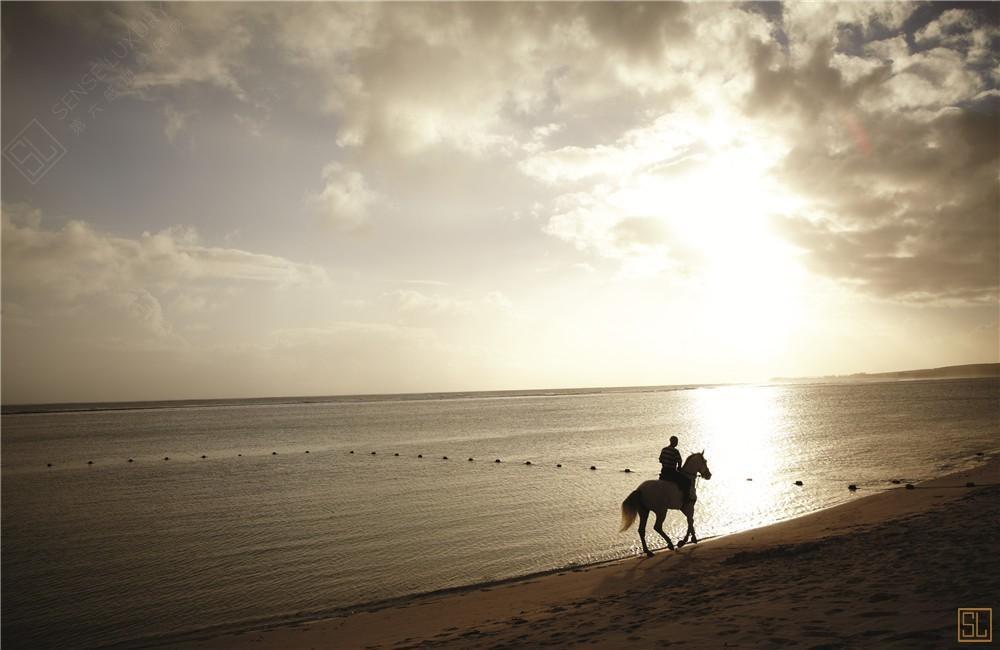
point(696, 463)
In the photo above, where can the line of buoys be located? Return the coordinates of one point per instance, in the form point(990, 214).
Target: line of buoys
point(799, 483)
point(497, 460)
point(558, 464)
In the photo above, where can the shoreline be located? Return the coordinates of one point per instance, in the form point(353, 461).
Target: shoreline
point(439, 615)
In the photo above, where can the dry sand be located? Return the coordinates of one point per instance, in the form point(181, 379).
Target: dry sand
point(888, 570)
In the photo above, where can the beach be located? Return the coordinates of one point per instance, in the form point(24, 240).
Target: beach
point(887, 570)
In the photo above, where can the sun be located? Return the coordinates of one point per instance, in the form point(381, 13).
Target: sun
point(744, 283)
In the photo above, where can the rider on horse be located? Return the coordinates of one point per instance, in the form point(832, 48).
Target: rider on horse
point(670, 458)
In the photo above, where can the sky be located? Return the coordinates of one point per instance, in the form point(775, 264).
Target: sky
point(229, 200)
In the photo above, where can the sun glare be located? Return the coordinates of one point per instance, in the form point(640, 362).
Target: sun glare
point(745, 282)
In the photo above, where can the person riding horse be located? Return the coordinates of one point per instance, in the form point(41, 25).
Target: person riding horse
point(670, 458)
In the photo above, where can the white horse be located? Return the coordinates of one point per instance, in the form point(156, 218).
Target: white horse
point(659, 496)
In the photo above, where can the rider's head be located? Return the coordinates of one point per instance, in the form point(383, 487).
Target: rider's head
point(673, 441)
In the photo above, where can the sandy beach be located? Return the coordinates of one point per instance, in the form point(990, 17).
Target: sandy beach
point(889, 569)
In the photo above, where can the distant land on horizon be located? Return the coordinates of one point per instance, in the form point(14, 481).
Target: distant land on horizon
point(967, 371)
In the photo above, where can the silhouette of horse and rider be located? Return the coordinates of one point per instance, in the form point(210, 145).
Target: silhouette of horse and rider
point(674, 490)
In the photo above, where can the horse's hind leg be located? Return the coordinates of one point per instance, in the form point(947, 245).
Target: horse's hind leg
point(643, 517)
point(658, 527)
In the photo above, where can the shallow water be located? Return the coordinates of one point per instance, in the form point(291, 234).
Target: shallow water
point(118, 551)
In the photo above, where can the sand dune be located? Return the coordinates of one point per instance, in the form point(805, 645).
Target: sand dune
point(888, 570)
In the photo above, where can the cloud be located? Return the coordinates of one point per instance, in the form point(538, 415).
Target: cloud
point(78, 274)
point(175, 121)
point(345, 200)
point(965, 31)
point(421, 306)
point(916, 220)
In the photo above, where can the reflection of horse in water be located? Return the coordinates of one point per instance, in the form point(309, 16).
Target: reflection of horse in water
point(659, 496)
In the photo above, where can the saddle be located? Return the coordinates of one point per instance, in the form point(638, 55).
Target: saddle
point(679, 480)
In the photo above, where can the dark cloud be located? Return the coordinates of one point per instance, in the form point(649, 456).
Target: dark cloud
point(917, 219)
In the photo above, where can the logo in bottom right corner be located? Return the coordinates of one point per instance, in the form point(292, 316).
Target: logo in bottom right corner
point(975, 624)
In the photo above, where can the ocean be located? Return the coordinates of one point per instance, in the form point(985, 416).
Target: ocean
point(263, 515)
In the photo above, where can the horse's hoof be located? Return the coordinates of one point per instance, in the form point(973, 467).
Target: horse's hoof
point(649, 554)
point(681, 544)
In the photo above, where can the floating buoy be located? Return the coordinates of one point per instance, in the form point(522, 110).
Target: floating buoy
point(798, 483)
point(204, 456)
point(274, 453)
point(628, 471)
point(970, 484)
point(592, 467)
point(497, 460)
point(909, 486)
point(558, 464)
point(239, 454)
point(852, 487)
point(373, 453)
point(90, 462)
point(395, 454)
point(49, 465)
point(895, 481)
point(130, 460)
point(307, 451)
point(470, 459)
point(166, 458)
point(527, 462)
point(352, 451)
point(979, 453)
point(444, 458)
point(420, 455)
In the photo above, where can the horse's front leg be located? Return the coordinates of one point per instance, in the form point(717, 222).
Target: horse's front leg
point(689, 533)
point(643, 517)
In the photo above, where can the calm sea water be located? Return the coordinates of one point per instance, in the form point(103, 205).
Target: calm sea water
point(260, 531)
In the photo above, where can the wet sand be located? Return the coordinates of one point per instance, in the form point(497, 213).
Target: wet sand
point(887, 570)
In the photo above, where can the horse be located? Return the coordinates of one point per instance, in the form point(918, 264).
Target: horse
point(659, 496)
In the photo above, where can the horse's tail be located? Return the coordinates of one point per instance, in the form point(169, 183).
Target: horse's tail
point(630, 509)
